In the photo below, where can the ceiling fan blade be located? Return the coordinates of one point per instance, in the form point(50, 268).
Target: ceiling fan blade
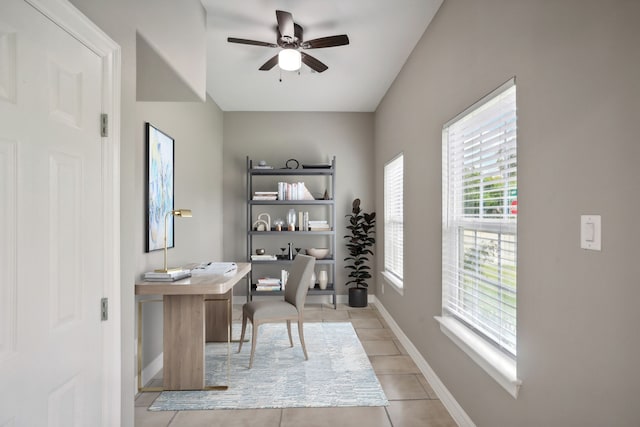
point(269, 64)
point(313, 63)
point(251, 42)
point(330, 41)
point(285, 24)
point(297, 31)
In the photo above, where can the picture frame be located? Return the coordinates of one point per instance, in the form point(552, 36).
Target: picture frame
point(160, 187)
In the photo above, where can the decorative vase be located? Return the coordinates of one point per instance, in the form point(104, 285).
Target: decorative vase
point(312, 282)
point(323, 279)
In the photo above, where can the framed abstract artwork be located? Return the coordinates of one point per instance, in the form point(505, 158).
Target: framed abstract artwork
point(160, 179)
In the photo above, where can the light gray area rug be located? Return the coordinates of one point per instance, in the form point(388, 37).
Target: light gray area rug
point(338, 373)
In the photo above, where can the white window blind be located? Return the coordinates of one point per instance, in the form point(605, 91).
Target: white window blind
point(394, 219)
point(479, 235)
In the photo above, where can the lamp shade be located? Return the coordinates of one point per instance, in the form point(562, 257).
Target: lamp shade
point(289, 59)
point(185, 213)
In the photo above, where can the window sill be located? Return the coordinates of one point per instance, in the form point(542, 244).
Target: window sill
point(498, 365)
point(396, 285)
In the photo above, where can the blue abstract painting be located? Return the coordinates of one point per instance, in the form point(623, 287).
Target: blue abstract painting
point(160, 151)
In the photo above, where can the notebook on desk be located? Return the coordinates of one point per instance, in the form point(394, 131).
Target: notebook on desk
point(223, 268)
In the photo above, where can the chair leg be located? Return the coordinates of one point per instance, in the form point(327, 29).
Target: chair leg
point(289, 330)
point(244, 328)
point(254, 338)
point(301, 333)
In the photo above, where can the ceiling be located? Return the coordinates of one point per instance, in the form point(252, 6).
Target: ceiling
point(382, 34)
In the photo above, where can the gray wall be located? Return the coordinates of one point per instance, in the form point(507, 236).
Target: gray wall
point(309, 138)
point(577, 65)
point(196, 127)
point(197, 131)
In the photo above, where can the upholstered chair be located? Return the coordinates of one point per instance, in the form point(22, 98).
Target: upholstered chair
point(290, 309)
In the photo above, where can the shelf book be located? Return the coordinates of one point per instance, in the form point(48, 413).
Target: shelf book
point(319, 225)
point(293, 191)
point(265, 195)
point(268, 284)
point(264, 257)
point(262, 288)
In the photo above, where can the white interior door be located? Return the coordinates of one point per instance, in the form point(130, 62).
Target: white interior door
point(51, 224)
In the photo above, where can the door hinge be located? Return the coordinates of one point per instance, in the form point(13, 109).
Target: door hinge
point(104, 309)
point(104, 125)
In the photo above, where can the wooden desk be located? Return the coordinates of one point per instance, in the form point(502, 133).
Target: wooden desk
point(191, 308)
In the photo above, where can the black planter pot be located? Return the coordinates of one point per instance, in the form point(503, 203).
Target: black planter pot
point(357, 297)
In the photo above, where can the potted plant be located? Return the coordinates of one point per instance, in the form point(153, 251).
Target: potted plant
point(359, 243)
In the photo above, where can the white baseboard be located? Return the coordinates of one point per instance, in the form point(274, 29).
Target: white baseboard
point(447, 399)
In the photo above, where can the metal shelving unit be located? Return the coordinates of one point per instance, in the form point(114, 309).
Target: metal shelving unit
point(328, 263)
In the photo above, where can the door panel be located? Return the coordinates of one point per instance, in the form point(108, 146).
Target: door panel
point(8, 268)
point(51, 219)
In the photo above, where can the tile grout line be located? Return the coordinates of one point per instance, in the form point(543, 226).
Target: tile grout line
point(175, 414)
point(386, 411)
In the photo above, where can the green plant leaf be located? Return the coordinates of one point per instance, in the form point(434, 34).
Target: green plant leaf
point(359, 242)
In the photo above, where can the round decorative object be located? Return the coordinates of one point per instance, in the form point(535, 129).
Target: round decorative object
point(260, 225)
point(292, 164)
point(260, 251)
point(318, 253)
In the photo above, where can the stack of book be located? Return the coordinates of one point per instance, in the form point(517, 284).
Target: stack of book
point(171, 276)
point(320, 225)
point(265, 257)
point(265, 195)
point(303, 221)
point(268, 284)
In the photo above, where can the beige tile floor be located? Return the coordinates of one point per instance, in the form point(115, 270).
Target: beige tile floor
point(412, 401)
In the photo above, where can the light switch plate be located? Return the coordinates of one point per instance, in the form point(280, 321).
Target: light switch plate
point(590, 232)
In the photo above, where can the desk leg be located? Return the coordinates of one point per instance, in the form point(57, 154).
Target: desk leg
point(184, 341)
point(218, 316)
point(218, 328)
point(141, 387)
point(228, 328)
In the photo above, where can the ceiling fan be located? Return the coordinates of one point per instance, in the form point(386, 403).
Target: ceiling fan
point(290, 40)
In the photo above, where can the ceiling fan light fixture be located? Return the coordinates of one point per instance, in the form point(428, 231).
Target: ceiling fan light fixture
point(289, 59)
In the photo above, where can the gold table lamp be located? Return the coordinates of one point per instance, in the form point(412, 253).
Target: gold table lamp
point(184, 213)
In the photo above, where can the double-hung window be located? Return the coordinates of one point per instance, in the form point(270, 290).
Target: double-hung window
point(394, 222)
point(479, 229)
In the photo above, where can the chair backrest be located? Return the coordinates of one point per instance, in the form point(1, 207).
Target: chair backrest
point(295, 292)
